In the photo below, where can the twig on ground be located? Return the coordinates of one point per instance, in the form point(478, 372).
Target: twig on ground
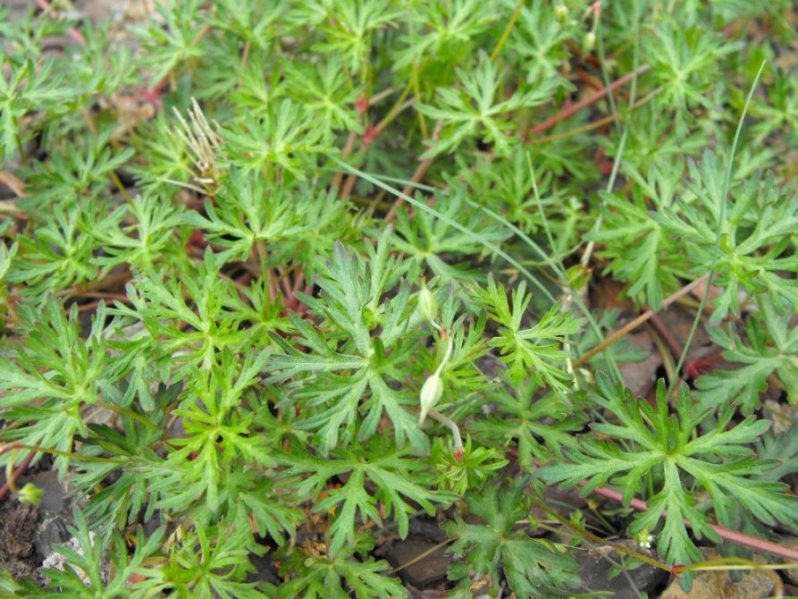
point(630, 326)
point(584, 103)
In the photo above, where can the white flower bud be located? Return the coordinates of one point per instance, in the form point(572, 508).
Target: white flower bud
point(426, 304)
point(561, 12)
point(431, 392)
point(589, 42)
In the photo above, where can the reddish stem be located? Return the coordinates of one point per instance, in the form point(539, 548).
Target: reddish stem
point(584, 103)
point(667, 335)
point(695, 368)
point(299, 281)
point(421, 169)
point(348, 147)
point(370, 135)
point(729, 535)
point(76, 35)
point(17, 473)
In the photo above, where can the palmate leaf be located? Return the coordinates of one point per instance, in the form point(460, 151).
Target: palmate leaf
point(755, 245)
point(57, 254)
point(540, 40)
point(200, 299)
point(538, 424)
point(144, 243)
point(170, 41)
point(432, 242)
point(350, 26)
point(57, 372)
point(217, 427)
point(380, 479)
point(781, 448)
point(258, 23)
point(326, 92)
point(685, 61)
point(83, 575)
point(81, 168)
point(29, 87)
point(536, 350)
point(444, 31)
point(475, 113)
point(246, 212)
point(353, 352)
point(533, 567)
point(338, 576)
point(286, 139)
point(772, 347)
point(640, 250)
point(208, 561)
point(654, 449)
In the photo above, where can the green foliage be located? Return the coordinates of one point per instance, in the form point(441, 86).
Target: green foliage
point(533, 566)
point(285, 137)
point(434, 243)
point(396, 478)
point(83, 577)
point(639, 249)
point(534, 423)
point(652, 448)
point(326, 576)
point(771, 349)
point(755, 233)
point(537, 348)
point(219, 312)
point(208, 562)
point(475, 114)
point(59, 373)
point(30, 87)
point(459, 473)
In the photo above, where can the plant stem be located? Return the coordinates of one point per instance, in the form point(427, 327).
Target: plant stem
point(458, 440)
point(507, 30)
point(596, 124)
point(59, 453)
point(598, 540)
point(630, 326)
point(421, 169)
point(17, 473)
point(577, 106)
point(10, 474)
point(732, 536)
point(721, 217)
point(348, 147)
point(421, 556)
point(370, 135)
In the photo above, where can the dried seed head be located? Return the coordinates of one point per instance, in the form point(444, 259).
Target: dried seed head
point(202, 142)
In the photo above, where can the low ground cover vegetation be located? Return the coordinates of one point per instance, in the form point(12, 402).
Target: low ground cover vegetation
point(284, 282)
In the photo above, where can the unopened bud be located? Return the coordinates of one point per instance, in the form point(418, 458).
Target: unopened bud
point(431, 393)
point(30, 494)
point(561, 12)
point(589, 42)
point(426, 304)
